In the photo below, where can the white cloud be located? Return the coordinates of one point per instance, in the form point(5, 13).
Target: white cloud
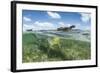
point(85, 17)
point(87, 27)
point(54, 15)
point(61, 24)
point(39, 26)
point(80, 26)
point(44, 25)
point(27, 19)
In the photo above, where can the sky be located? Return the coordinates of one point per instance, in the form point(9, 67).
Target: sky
point(49, 20)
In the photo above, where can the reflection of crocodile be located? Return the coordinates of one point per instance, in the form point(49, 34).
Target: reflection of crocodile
point(85, 34)
point(65, 28)
point(29, 30)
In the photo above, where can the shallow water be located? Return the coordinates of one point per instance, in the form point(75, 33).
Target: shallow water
point(77, 35)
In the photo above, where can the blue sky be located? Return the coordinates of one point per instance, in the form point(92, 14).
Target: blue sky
point(47, 20)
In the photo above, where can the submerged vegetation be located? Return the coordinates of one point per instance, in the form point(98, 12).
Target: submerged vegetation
point(41, 48)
